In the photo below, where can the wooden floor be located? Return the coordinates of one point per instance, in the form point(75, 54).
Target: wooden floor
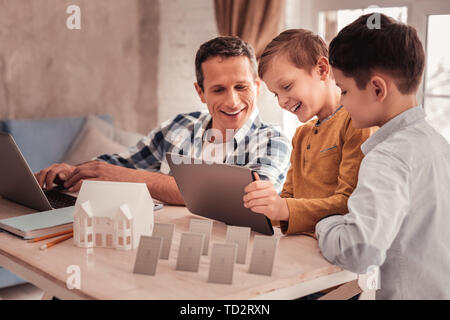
point(21, 292)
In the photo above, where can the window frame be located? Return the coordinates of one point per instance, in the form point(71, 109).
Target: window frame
point(305, 14)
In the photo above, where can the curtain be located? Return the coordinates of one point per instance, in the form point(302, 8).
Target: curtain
point(254, 21)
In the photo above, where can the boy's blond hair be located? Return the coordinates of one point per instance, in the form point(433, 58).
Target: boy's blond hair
point(302, 47)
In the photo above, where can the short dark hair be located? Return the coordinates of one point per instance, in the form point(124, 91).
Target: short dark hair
point(394, 48)
point(302, 47)
point(224, 47)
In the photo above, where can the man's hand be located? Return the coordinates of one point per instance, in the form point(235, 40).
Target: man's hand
point(56, 173)
point(262, 197)
point(161, 186)
point(100, 171)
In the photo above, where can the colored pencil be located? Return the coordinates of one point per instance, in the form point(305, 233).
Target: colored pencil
point(48, 236)
point(52, 243)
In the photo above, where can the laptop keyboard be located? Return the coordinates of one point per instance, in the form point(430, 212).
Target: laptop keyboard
point(60, 200)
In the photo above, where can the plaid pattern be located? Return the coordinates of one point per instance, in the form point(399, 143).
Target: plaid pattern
point(260, 147)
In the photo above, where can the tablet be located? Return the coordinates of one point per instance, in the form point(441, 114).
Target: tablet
point(216, 191)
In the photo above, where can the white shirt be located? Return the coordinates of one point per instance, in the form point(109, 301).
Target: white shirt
point(399, 213)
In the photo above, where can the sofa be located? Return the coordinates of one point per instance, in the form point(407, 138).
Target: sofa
point(72, 140)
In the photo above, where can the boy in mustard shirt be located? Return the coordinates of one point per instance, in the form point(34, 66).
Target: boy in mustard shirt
point(326, 151)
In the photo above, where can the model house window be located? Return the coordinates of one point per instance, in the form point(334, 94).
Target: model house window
point(437, 74)
point(128, 240)
point(89, 222)
point(89, 239)
point(120, 225)
point(120, 241)
point(109, 242)
point(98, 239)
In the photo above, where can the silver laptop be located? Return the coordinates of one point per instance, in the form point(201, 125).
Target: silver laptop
point(216, 191)
point(17, 181)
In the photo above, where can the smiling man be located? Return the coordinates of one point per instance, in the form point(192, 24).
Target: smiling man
point(231, 132)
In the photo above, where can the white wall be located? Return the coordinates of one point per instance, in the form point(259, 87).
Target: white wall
point(184, 26)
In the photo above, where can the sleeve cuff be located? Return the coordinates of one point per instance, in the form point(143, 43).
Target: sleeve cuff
point(324, 223)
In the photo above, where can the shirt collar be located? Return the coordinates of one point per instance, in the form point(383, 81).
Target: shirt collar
point(404, 119)
point(252, 122)
point(319, 123)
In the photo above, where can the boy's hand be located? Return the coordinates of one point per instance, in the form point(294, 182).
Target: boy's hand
point(261, 197)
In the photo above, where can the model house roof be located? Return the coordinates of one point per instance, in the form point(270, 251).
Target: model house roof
point(124, 210)
point(106, 198)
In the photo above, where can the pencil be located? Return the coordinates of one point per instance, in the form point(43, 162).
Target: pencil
point(52, 243)
point(48, 236)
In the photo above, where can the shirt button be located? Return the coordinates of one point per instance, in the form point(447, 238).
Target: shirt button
point(308, 147)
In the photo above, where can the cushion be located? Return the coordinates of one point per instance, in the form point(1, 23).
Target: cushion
point(45, 141)
point(125, 138)
point(90, 144)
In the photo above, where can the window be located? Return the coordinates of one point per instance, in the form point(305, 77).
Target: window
point(120, 241)
point(109, 242)
point(128, 240)
point(437, 74)
point(98, 239)
point(327, 18)
point(331, 22)
point(431, 18)
point(89, 238)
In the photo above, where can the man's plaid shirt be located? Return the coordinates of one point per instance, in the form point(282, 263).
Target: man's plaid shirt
point(260, 147)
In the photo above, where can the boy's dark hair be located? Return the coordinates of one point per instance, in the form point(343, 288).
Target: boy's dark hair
point(302, 47)
point(223, 47)
point(394, 48)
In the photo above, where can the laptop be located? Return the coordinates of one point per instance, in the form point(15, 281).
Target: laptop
point(18, 184)
point(216, 191)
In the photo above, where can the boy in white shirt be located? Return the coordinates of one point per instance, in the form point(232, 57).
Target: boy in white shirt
point(399, 213)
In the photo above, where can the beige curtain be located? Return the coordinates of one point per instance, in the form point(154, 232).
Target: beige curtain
point(254, 21)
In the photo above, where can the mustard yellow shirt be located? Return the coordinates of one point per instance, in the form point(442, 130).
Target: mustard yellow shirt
point(324, 171)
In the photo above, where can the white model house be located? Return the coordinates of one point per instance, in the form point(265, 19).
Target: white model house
point(112, 215)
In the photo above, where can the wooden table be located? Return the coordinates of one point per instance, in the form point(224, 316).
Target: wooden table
point(299, 267)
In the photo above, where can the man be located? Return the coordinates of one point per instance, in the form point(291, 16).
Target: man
point(232, 132)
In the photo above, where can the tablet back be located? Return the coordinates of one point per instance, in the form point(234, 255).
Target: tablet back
point(216, 191)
